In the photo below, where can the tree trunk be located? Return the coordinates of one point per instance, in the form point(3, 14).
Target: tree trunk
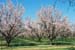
point(53, 34)
point(8, 41)
point(39, 39)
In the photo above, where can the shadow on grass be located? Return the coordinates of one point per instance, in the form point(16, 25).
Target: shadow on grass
point(24, 44)
point(19, 44)
point(12, 46)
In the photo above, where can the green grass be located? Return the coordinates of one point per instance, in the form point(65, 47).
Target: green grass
point(26, 44)
point(39, 47)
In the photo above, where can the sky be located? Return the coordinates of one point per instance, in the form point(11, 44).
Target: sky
point(33, 6)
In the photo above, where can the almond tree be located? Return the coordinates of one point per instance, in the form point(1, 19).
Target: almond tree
point(33, 29)
point(10, 21)
point(51, 22)
point(37, 31)
point(28, 28)
point(66, 28)
point(73, 30)
point(47, 19)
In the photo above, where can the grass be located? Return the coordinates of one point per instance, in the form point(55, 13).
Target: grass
point(39, 47)
point(26, 44)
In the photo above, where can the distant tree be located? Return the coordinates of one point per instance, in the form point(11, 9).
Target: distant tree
point(37, 30)
point(65, 28)
point(73, 30)
point(28, 28)
point(32, 29)
point(10, 21)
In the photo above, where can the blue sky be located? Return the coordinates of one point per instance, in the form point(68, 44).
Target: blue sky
point(32, 6)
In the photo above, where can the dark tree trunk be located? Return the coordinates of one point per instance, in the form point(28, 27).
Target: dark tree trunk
point(8, 41)
point(39, 39)
point(53, 34)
